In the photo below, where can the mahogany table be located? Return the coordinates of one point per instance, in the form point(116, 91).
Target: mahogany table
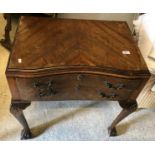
point(66, 59)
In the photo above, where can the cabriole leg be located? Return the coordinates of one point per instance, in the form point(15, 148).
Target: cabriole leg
point(128, 107)
point(16, 109)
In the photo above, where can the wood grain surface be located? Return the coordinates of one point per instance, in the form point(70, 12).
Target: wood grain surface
point(85, 45)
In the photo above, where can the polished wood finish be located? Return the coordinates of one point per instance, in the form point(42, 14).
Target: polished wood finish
point(66, 59)
point(66, 43)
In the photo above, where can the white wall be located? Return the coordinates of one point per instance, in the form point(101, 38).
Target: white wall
point(128, 17)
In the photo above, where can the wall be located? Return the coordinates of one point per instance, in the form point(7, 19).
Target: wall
point(128, 17)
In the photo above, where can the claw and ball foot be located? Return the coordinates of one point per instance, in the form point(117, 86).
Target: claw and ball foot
point(26, 134)
point(128, 108)
point(112, 131)
point(16, 109)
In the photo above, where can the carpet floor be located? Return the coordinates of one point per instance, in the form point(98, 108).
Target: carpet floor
point(79, 121)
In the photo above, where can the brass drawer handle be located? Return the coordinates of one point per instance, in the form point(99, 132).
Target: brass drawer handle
point(111, 86)
point(111, 95)
point(44, 89)
point(108, 85)
point(80, 77)
point(103, 94)
point(120, 86)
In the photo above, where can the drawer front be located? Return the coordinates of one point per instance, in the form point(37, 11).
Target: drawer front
point(76, 87)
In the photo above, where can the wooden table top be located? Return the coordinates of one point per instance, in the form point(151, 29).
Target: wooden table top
point(58, 43)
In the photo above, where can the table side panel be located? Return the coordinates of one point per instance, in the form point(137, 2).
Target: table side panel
point(77, 87)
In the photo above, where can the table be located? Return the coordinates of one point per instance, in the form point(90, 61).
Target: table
point(67, 59)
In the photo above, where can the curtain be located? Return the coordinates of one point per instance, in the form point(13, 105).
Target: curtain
point(145, 32)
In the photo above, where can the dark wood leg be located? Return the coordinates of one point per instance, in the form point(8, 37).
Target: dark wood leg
point(6, 42)
point(128, 108)
point(16, 109)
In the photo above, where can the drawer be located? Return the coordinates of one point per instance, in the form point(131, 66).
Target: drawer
point(76, 87)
